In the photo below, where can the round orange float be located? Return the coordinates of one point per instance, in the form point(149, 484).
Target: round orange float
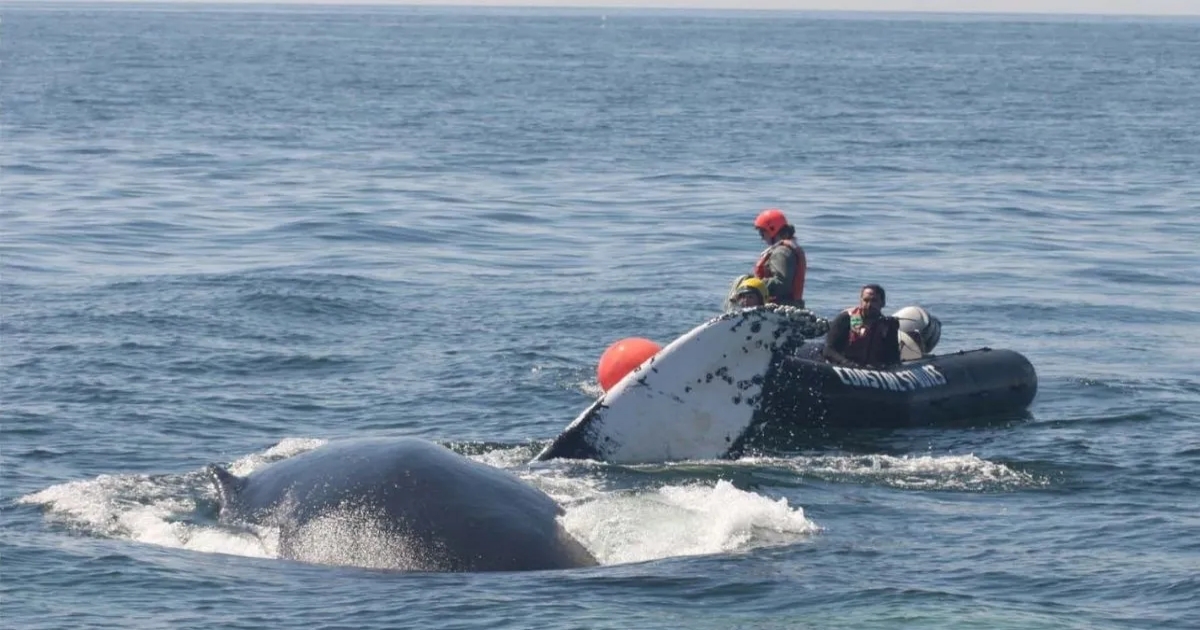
point(621, 357)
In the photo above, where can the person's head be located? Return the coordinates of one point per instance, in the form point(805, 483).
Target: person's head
point(751, 292)
point(772, 225)
point(872, 298)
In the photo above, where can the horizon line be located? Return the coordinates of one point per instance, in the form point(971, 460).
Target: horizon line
point(924, 7)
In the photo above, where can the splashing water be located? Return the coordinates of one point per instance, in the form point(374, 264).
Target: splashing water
point(682, 521)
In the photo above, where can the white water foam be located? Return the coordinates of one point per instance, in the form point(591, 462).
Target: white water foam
point(503, 458)
point(683, 520)
point(288, 447)
point(142, 509)
point(924, 472)
point(591, 388)
point(549, 478)
point(156, 510)
point(674, 520)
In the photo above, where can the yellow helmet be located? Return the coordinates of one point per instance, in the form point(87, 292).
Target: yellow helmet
point(753, 285)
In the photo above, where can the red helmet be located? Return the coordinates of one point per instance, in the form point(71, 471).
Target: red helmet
point(770, 221)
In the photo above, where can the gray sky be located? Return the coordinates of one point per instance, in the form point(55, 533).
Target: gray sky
point(1106, 7)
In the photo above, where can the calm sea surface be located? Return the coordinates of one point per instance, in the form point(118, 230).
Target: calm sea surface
point(230, 234)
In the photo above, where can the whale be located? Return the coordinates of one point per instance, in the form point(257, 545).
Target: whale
point(754, 380)
point(403, 504)
point(694, 399)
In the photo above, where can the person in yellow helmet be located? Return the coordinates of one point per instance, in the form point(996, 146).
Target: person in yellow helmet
point(750, 293)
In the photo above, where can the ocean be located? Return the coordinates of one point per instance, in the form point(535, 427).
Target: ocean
point(230, 234)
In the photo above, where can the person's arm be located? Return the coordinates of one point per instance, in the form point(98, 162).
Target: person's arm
point(891, 344)
point(837, 339)
point(782, 268)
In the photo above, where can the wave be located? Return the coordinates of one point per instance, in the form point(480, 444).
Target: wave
point(618, 525)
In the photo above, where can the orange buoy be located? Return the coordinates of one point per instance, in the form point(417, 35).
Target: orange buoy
point(621, 357)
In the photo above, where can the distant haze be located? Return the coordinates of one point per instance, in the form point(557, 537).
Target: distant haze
point(1094, 7)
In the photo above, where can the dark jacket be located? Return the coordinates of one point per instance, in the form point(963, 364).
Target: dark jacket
point(875, 345)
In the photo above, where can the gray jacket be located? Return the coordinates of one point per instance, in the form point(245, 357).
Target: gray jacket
point(781, 266)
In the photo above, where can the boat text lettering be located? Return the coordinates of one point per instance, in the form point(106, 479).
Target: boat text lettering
point(897, 381)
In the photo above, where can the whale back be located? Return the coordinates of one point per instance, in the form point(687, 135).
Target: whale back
point(401, 503)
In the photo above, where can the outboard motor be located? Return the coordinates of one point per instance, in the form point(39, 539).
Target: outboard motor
point(919, 332)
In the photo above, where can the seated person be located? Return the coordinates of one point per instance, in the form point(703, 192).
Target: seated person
point(863, 336)
point(750, 293)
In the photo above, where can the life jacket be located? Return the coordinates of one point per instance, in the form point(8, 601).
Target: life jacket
point(762, 272)
point(867, 340)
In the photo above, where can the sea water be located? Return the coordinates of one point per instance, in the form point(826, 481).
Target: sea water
point(232, 233)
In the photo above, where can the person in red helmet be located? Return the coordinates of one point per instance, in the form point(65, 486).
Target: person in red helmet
point(782, 265)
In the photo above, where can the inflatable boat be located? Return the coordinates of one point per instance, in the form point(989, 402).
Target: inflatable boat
point(755, 379)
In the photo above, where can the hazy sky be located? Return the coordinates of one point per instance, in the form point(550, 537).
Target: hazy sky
point(1110, 7)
